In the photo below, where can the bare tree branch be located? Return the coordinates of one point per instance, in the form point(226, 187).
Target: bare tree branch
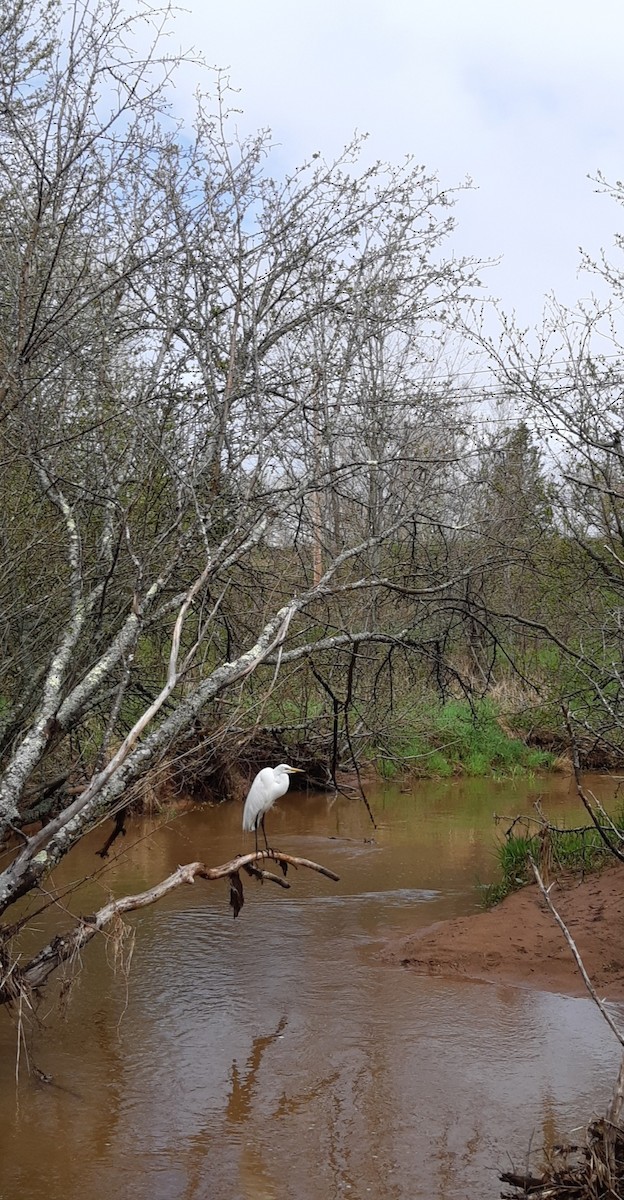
point(65, 947)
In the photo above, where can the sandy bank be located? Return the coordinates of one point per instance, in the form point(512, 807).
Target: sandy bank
point(518, 941)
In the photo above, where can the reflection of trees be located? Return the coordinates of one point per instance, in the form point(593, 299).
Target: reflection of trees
point(239, 1101)
point(254, 1176)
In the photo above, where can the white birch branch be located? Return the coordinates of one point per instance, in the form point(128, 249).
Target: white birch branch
point(29, 751)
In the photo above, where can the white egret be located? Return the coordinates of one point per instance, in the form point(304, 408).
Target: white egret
point(269, 784)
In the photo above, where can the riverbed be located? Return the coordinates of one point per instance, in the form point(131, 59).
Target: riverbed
point(278, 1056)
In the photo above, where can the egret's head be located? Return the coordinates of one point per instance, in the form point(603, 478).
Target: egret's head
point(290, 770)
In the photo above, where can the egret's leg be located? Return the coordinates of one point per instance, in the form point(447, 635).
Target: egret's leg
point(264, 832)
point(256, 833)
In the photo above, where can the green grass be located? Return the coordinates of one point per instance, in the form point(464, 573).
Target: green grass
point(474, 738)
point(568, 850)
point(456, 738)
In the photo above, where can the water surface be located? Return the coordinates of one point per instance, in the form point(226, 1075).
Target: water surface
point(276, 1056)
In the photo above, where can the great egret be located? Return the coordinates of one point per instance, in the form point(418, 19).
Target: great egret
point(269, 784)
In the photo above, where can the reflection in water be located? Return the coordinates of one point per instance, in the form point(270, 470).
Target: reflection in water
point(276, 1056)
point(454, 1156)
point(242, 1087)
point(254, 1179)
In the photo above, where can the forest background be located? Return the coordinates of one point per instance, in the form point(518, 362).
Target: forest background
point(271, 488)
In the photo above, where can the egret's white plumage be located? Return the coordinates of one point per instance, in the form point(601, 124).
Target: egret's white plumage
point(270, 783)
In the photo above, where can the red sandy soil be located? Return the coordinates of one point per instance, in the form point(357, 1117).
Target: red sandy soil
point(518, 942)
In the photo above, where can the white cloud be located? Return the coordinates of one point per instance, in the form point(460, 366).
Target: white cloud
point(526, 97)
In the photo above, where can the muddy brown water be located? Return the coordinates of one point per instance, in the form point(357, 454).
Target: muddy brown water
point(276, 1056)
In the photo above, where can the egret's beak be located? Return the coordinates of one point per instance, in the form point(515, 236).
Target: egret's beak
point(295, 770)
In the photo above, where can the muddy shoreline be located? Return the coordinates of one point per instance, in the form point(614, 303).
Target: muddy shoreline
point(519, 943)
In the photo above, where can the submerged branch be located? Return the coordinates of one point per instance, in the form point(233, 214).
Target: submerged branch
point(595, 1169)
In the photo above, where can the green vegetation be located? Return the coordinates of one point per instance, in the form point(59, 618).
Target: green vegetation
point(553, 850)
point(457, 738)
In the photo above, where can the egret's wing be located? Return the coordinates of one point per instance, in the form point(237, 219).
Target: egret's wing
point(256, 803)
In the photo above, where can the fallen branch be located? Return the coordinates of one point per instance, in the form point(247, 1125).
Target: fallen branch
point(593, 1170)
point(542, 822)
point(66, 946)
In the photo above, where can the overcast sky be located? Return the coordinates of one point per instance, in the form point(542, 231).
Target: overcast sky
point(524, 96)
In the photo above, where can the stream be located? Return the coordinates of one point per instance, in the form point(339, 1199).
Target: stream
point(276, 1056)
